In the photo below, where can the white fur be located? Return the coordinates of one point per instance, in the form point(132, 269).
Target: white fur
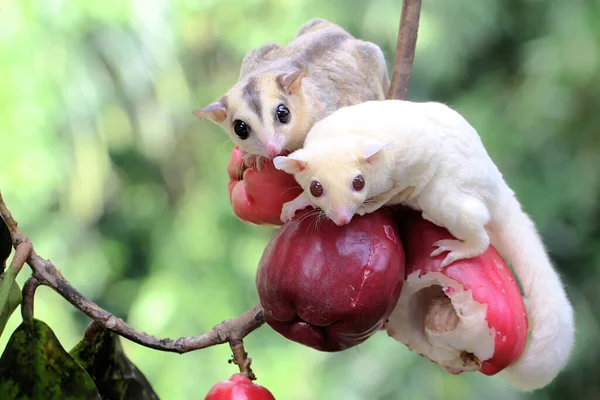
point(434, 161)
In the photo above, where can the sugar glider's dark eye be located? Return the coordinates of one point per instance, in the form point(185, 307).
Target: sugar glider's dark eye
point(283, 114)
point(358, 183)
point(241, 129)
point(316, 189)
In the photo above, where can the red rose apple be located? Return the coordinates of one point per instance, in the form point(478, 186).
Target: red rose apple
point(468, 316)
point(238, 387)
point(257, 196)
point(331, 287)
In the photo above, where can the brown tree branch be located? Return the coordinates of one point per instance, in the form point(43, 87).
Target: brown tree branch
point(405, 49)
point(10, 222)
point(45, 273)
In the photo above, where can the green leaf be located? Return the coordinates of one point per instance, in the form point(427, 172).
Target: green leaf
point(5, 244)
point(35, 366)
point(116, 377)
point(10, 296)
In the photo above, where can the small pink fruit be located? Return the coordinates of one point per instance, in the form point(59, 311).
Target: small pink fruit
point(331, 287)
point(258, 196)
point(238, 387)
point(469, 316)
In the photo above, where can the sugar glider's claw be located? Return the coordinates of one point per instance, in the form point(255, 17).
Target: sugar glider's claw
point(455, 247)
point(249, 159)
point(443, 246)
point(450, 258)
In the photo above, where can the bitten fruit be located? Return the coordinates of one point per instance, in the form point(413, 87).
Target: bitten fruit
point(333, 287)
point(258, 196)
point(238, 387)
point(469, 316)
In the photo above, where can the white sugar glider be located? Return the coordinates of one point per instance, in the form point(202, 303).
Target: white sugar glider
point(282, 91)
point(428, 157)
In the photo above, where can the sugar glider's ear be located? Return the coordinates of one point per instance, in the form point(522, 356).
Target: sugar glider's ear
point(292, 164)
point(216, 112)
point(370, 151)
point(291, 82)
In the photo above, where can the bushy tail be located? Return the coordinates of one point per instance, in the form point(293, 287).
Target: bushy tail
point(550, 313)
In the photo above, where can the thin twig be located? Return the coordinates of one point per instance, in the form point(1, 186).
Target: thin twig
point(241, 359)
point(28, 294)
point(93, 329)
point(45, 273)
point(405, 49)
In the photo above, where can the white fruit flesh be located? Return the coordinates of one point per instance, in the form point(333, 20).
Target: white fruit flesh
point(438, 319)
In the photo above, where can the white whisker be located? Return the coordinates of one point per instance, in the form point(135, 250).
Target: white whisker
point(286, 190)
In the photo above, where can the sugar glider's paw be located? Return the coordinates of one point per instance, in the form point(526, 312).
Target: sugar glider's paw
point(367, 208)
point(456, 248)
point(288, 211)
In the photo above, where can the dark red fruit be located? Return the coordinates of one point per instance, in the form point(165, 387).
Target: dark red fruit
point(257, 197)
point(331, 287)
point(238, 387)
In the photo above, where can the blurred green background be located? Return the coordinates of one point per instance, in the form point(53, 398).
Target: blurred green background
point(114, 179)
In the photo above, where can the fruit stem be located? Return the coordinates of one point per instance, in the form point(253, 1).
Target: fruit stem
point(241, 359)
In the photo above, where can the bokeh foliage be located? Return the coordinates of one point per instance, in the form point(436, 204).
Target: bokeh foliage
point(116, 181)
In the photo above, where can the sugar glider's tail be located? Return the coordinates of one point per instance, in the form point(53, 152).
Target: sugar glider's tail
point(550, 313)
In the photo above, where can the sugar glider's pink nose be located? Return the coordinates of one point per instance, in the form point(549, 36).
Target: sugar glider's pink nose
point(343, 220)
point(273, 149)
point(342, 217)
